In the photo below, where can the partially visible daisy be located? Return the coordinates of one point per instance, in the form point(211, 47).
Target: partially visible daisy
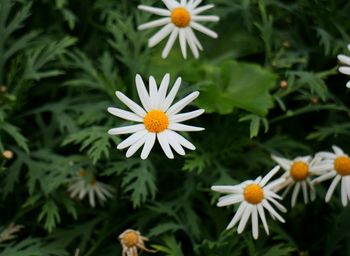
point(345, 69)
point(297, 174)
point(158, 119)
point(85, 185)
point(179, 20)
point(9, 233)
point(131, 240)
point(253, 197)
point(336, 166)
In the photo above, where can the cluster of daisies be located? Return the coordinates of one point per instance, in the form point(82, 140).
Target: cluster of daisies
point(158, 118)
point(301, 173)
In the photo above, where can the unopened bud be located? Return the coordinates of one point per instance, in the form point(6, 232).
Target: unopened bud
point(3, 88)
point(7, 154)
point(314, 100)
point(284, 84)
point(286, 44)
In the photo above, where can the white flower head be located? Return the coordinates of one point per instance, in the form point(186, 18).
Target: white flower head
point(83, 185)
point(297, 174)
point(131, 240)
point(335, 166)
point(179, 20)
point(158, 119)
point(254, 197)
point(345, 69)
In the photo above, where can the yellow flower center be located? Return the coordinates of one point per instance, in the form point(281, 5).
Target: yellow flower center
point(253, 194)
point(180, 17)
point(130, 238)
point(156, 121)
point(342, 165)
point(82, 173)
point(299, 170)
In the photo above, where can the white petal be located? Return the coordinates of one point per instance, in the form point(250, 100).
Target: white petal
point(132, 139)
point(273, 213)
point(160, 35)
point(347, 183)
point(194, 38)
point(184, 142)
point(125, 114)
point(244, 218)
point(174, 143)
point(277, 204)
point(194, 4)
point(344, 70)
point(263, 218)
point(255, 223)
point(348, 84)
point(337, 150)
point(295, 193)
point(162, 91)
point(155, 23)
point(182, 40)
point(142, 92)
point(212, 18)
point(153, 91)
point(269, 176)
point(321, 168)
point(134, 147)
point(150, 139)
point(332, 187)
point(178, 106)
point(183, 2)
point(202, 9)
point(203, 29)
point(238, 215)
point(344, 193)
point(324, 177)
point(349, 47)
point(305, 193)
point(171, 4)
point(283, 162)
point(184, 128)
point(165, 145)
point(227, 188)
point(170, 42)
point(344, 59)
point(326, 155)
point(191, 39)
point(278, 184)
point(171, 96)
point(185, 116)
point(126, 129)
point(130, 104)
point(92, 198)
point(154, 10)
point(229, 199)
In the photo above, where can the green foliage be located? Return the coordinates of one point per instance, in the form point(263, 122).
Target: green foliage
point(268, 84)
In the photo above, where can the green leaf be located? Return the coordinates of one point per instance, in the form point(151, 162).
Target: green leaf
point(95, 140)
point(13, 131)
point(233, 84)
point(49, 213)
point(171, 248)
point(140, 181)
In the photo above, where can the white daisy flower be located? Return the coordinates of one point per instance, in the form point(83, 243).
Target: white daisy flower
point(297, 174)
point(132, 240)
point(254, 196)
point(345, 69)
point(158, 119)
point(335, 165)
point(179, 19)
point(83, 186)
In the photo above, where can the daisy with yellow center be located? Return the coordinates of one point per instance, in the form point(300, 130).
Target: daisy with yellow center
point(158, 119)
point(254, 197)
point(87, 185)
point(131, 240)
point(297, 174)
point(345, 69)
point(335, 166)
point(180, 18)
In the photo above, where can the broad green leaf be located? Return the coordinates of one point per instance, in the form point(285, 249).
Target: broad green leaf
point(236, 85)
